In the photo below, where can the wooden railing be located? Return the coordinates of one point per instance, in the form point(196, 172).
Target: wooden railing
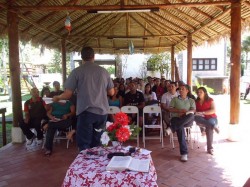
point(2, 111)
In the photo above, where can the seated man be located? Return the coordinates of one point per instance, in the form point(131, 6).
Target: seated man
point(35, 112)
point(165, 101)
point(135, 98)
point(61, 116)
point(57, 90)
point(179, 108)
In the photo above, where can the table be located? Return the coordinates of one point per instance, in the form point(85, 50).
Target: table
point(90, 170)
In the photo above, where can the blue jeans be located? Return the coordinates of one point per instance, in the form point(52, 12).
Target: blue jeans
point(177, 125)
point(209, 125)
point(86, 135)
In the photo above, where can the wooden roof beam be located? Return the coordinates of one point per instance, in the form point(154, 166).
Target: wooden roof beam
point(158, 30)
point(114, 22)
point(162, 27)
point(116, 36)
point(44, 18)
point(118, 7)
point(95, 27)
point(211, 22)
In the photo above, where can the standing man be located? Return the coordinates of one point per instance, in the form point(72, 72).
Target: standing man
point(182, 110)
point(93, 83)
point(35, 112)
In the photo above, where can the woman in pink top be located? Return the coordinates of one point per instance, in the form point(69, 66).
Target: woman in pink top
point(205, 116)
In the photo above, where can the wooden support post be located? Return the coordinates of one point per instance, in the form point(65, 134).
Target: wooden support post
point(2, 111)
point(63, 51)
point(235, 61)
point(172, 64)
point(189, 60)
point(14, 66)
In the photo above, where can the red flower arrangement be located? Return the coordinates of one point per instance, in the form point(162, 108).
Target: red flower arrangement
point(120, 130)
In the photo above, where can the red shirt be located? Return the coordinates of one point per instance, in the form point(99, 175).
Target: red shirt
point(204, 107)
point(28, 102)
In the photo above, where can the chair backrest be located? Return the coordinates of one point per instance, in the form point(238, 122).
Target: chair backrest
point(152, 109)
point(114, 109)
point(129, 109)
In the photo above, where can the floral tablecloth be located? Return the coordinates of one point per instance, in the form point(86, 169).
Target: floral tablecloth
point(90, 170)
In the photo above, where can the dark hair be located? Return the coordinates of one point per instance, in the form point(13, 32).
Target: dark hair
point(150, 91)
point(87, 53)
point(172, 82)
point(55, 82)
point(206, 98)
point(43, 90)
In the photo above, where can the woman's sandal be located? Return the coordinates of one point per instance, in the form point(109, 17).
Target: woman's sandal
point(47, 153)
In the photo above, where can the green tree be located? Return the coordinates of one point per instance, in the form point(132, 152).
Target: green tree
point(111, 70)
point(160, 62)
point(143, 70)
point(56, 64)
point(245, 47)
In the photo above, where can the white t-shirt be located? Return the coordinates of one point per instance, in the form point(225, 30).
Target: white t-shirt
point(167, 97)
point(150, 97)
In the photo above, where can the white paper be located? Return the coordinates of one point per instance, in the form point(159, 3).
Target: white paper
point(139, 165)
point(119, 163)
point(48, 100)
point(122, 163)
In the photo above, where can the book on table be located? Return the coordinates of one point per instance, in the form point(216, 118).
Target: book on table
point(122, 163)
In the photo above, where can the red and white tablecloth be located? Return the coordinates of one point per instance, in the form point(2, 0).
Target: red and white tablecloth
point(90, 170)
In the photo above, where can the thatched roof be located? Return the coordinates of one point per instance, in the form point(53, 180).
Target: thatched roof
point(168, 23)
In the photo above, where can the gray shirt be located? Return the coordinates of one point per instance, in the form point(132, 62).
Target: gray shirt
point(92, 83)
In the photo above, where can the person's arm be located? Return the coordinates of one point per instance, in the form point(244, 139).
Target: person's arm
point(71, 114)
point(49, 114)
point(111, 92)
point(211, 110)
point(65, 95)
point(26, 117)
point(121, 101)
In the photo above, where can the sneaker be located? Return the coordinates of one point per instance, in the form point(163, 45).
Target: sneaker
point(216, 129)
point(39, 142)
point(184, 158)
point(210, 151)
point(168, 131)
point(30, 141)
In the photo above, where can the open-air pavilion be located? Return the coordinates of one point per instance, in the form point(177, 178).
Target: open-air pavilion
point(109, 26)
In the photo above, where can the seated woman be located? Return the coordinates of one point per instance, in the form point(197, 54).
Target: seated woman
point(60, 115)
point(205, 116)
point(115, 100)
point(149, 96)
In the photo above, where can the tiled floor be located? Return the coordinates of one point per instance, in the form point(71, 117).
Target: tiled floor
point(228, 167)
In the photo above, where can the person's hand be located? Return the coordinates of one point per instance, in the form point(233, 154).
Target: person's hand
point(182, 112)
point(199, 114)
point(64, 116)
point(55, 98)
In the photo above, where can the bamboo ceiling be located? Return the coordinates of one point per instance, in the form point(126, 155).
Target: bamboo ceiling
point(169, 23)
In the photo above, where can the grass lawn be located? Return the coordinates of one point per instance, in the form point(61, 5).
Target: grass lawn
point(8, 133)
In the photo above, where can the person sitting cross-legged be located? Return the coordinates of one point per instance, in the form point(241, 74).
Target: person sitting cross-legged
point(206, 116)
point(61, 115)
point(35, 112)
point(182, 110)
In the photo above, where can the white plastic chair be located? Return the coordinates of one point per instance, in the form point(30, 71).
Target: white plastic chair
point(132, 110)
point(57, 136)
point(149, 110)
point(113, 109)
